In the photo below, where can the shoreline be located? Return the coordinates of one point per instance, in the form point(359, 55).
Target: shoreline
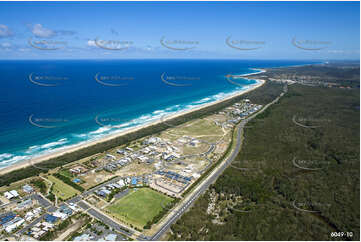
point(86, 144)
point(250, 74)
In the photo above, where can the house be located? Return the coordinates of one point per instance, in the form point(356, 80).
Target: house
point(27, 188)
point(83, 237)
point(117, 185)
point(101, 193)
point(48, 225)
point(143, 158)
point(110, 237)
point(29, 216)
point(73, 207)
point(121, 151)
point(106, 191)
point(25, 204)
point(14, 193)
point(50, 218)
point(37, 211)
point(75, 170)
point(11, 194)
point(134, 181)
point(8, 195)
point(60, 215)
point(110, 186)
point(111, 156)
point(66, 210)
point(152, 140)
point(146, 150)
point(121, 182)
point(35, 229)
point(170, 157)
point(13, 224)
point(4, 218)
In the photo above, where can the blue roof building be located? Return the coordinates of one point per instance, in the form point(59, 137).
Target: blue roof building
point(101, 193)
point(134, 181)
point(7, 217)
point(50, 218)
point(66, 210)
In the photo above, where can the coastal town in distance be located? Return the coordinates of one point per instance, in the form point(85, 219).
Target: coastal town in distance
point(102, 139)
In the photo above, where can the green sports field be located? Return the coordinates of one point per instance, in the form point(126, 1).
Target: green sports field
point(139, 206)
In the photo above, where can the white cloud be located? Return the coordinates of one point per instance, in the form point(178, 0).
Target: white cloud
point(91, 43)
point(39, 31)
point(336, 51)
point(5, 45)
point(5, 31)
point(343, 51)
point(24, 49)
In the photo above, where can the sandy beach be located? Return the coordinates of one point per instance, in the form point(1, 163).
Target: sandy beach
point(73, 148)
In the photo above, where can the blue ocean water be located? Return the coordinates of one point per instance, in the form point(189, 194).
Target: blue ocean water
point(50, 105)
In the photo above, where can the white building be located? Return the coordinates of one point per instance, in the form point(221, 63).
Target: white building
point(14, 193)
point(8, 195)
point(60, 215)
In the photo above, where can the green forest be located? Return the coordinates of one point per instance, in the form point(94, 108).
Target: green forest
point(295, 178)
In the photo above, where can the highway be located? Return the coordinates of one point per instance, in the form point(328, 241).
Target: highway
point(214, 175)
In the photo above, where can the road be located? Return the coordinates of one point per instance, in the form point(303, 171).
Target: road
point(177, 213)
point(213, 176)
point(45, 204)
point(105, 219)
point(98, 214)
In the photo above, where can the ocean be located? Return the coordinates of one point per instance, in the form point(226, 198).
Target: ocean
point(47, 105)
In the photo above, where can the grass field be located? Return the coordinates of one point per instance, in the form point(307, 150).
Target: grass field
point(200, 127)
point(62, 190)
point(139, 206)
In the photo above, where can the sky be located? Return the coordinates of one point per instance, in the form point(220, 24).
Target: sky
point(200, 30)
